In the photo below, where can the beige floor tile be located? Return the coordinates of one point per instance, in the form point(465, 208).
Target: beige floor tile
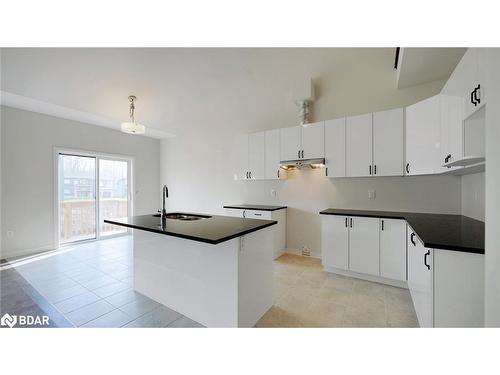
point(338, 282)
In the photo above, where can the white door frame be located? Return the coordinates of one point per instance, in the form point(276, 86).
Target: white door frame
point(98, 156)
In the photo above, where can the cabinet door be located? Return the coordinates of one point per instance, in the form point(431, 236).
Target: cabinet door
point(240, 152)
point(313, 140)
point(335, 241)
point(451, 129)
point(359, 145)
point(393, 249)
point(272, 155)
point(290, 143)
point(420, 280)
point(364, 254)
point(256, 159)
point(388, 141)
point(422, 137)
point(470, 78)
point(335, 147)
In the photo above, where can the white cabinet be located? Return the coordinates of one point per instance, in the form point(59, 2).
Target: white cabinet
point(359, 145)
point(364, 245)
point(256, 156)
point(290, 143)
point(451, 129)
point(388, 140)
point(423, 126)
point(420, 279)
point(279, 230)
point(272, 155)
point(335, 147)
point(303, 142)
point(393, 249)
point(335, 241)
point(313, 141)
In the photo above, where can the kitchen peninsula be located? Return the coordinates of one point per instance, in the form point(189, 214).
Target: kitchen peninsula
point(216, 270)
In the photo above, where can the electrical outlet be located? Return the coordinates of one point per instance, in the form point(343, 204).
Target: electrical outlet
point(371, 194)
point(306, 251)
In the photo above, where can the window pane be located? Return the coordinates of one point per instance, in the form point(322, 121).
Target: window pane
point(76, 198)
point(113, 194)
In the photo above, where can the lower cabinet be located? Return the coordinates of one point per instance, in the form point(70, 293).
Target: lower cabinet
point(420, 283)
point(279, 230)
point(366, 245)
point(446, 286)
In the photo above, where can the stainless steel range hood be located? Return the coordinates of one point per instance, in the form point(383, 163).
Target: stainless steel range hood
point(303, 163)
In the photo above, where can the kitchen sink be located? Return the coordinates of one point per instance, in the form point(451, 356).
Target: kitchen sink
point(183, 216)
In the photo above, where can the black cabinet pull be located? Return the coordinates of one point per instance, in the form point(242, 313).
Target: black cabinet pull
point(256, 214)
point(472, 98)
point(250, 174)
point(302, 154)
point(351, 222)
point(476, 90)
point(326, 172)
point(425, 259)
point(447, 158)
point(346, 222)
point(370, 170)
point(407, 167)
point(247, 175)
point(244, 214)
point(278, 173)
point(375, 169)
point(298, 154)
point(382, 224)
point(411, 239)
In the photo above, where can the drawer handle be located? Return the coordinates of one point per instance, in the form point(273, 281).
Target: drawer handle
point(477, 99)
point(350, 222)
point(258, 214)
point(346, 223)
point(425, 259)
point(407, 167)
point(382, 224)
point(411, 239)
point(244, 213)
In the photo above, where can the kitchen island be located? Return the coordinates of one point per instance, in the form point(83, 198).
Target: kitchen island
point(216, 270)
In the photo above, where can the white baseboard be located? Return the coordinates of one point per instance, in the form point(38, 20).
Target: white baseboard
point(299, 252)
point(362, 276)
point(6, 254)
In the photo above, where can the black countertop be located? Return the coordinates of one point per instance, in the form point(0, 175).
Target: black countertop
point(259, 207)
point(214, 229)
point(437, 231)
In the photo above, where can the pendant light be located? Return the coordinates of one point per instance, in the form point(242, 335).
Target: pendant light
point(132, 127)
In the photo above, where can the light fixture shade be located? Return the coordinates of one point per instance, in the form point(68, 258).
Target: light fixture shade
point(133, 128)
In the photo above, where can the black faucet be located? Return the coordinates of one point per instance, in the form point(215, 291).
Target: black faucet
point(164, 196)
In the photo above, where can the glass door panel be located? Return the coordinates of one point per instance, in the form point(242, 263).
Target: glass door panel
point(77, 198)
point(113, 194)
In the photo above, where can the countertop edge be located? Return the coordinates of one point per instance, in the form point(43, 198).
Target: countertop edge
point(250, 207)
point(193, 238)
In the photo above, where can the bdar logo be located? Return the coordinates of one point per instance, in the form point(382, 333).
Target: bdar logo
point(8, 320)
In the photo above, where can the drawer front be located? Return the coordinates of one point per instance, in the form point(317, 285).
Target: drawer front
point(255, 214)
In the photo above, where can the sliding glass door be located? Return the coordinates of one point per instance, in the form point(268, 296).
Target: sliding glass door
point(77, 198)
point(91, 188)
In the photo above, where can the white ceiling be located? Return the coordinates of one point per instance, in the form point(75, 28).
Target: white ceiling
point(421, 65)
point(180, 90)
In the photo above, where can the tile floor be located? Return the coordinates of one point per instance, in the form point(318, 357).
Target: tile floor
point(90, 285)
point(305, 296)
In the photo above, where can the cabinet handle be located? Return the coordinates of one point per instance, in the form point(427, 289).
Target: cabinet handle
point(298, 154)
point(375, 169)
point(472, 98)
point(257, 214)
point(425, 259)
point(250, 174)
point(350, 222)
point(382, 224)
point(244, 216)
point(447, 158)
point(326, 172)
point(246, 175)
point(346, 222)
point(278, 173)
point(370, 170)
point(411, 239)
point(407, 167)
point(477, 99)
point(302, 154)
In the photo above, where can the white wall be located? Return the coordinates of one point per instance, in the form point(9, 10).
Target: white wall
point(492, 237)
point(28, 141)
point(198, 166)
point(473, 196)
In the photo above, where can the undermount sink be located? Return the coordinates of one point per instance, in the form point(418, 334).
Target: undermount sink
point(183, 216)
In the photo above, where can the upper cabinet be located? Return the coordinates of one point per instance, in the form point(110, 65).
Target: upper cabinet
point(359, 146)
point(272, 155)
point(290, 143)
point(303, 142)
point(240, 152)
point(335, 147)
point(388, 140)
point(313, 140)
point(423, 121)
